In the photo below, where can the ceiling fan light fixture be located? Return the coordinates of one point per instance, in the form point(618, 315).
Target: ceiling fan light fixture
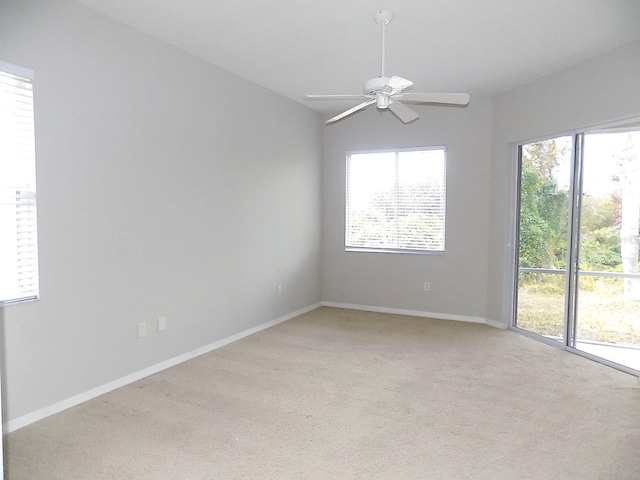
point(382, 101)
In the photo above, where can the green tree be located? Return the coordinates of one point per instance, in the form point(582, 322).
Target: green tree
point(599, 239)
point(629, 162)
point(543, 208)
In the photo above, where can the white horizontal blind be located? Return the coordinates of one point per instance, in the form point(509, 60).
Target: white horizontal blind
point(396, 201)
point(18, 227)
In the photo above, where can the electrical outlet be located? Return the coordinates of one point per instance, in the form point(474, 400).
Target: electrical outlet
point(142, 329)
point(279, 290)
point(162, 323)
point(427, 286)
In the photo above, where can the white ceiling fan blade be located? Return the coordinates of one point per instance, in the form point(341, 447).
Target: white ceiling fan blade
point(404, 113)
point(350, 111)
point(446, 98)
point(359, 96)
point(398, 84)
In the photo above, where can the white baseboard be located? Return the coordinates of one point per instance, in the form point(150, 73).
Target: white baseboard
point(415, 313)
point(58, 407)
point(496, 324)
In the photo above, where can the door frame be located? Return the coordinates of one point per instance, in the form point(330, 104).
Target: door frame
point(571, 286)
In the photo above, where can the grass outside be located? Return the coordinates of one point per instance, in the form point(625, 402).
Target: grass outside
point(604, 315)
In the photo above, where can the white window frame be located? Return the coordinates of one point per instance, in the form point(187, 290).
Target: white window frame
point(19, 278)
point(436, 247)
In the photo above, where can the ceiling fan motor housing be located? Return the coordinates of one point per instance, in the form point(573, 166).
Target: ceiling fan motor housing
point(374, 85)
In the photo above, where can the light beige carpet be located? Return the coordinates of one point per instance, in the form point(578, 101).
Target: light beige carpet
point(340, 394)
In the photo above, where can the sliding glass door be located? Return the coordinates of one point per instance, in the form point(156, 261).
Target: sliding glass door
point(578, 243)
point(607, 317)
point(544, 211)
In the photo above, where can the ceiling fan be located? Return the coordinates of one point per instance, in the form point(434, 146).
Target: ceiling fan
point(387, 92)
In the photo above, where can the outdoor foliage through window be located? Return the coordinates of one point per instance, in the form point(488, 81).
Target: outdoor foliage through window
point(396, 201)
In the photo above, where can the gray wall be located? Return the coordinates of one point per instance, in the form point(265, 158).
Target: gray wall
point(459, 277)
point(158, 194)
point(603, 89)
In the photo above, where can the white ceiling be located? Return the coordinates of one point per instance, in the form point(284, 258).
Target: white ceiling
point(294, 47)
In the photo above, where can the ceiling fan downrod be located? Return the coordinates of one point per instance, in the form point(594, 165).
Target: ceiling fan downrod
point(383, 18)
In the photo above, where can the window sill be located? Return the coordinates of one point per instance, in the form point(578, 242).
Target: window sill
point(393, 250)
point(14, 301)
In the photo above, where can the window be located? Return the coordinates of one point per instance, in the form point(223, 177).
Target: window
point(18, 232)
point(396, 201)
